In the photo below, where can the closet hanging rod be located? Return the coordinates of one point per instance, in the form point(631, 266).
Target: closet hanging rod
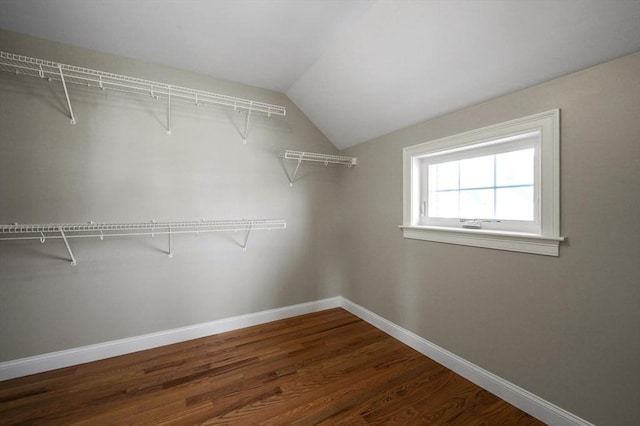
point(70, 74)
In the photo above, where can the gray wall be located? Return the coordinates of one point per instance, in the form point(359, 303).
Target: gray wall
point(565, 328)
point(117, 164)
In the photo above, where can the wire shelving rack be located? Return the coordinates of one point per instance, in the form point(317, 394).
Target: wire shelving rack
point(326, 159)
point(70, 74)
point(66, 231)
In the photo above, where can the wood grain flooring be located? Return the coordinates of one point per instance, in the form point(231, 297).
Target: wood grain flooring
point(328, 368)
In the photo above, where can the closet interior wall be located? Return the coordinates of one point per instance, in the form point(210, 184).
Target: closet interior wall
point(118, 165)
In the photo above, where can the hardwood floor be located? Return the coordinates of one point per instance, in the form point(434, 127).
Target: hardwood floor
point(324, 368)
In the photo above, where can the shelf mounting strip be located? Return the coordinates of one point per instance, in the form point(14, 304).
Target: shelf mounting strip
point(100, 230)
point(327, 159)
point(69, 74)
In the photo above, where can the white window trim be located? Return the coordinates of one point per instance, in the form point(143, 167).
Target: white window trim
point(546, 242)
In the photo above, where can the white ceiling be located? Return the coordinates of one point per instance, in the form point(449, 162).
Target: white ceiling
point(358, 68)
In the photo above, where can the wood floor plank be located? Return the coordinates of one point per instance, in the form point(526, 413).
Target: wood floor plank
point(327, 368)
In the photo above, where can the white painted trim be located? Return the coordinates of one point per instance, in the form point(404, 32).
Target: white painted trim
point(50, 361)
point(525, 243)
point(515, 395)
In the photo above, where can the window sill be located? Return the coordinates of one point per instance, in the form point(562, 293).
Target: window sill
point(525, 243)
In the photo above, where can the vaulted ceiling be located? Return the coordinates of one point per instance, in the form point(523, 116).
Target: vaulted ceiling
point(358, 68)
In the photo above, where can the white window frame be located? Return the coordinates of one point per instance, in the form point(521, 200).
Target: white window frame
point(544, 239)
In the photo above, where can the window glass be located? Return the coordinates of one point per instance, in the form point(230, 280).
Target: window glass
point(446, 176)
point(444, 204)
point(476, 204)
point(515, 168)
point(515, 203)
point(477, 172)
point(492, 187)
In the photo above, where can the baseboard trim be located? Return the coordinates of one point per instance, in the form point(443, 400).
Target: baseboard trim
point(515, 395)
point(66, 358)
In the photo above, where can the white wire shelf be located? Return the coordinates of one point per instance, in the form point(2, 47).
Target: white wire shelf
point(65, 231)
point(326, 159)
point(319, 158)
point(69, 74)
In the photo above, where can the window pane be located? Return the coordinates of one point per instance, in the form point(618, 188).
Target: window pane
point(443, 176)
point(496, 186)
point(443, 204)
point(476, 172)
point(514, 203)
point(515, 168)
point(476, 204)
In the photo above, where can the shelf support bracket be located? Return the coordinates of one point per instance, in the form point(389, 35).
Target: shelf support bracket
point(66, 243)
point(170, 245)
point(66, 94)
point(295, 172)
point(246, 239)
point(169, 111)
point(246, 127)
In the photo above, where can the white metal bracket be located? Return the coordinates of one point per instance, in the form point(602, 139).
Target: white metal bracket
point(246, 126)
point(292, 178)
point(66, 94)
point(170, 245)
point(66, 243)
point(169, 110)
point(246, 239)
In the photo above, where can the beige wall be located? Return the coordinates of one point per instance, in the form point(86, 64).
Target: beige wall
point(567, 328)
point(117, 164)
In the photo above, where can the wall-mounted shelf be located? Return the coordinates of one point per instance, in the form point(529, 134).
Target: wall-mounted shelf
point(326, 159)
point(69, 74)
point(43, 232)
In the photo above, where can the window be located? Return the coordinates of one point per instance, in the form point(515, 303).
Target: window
point(483, 187)
point(495, 187)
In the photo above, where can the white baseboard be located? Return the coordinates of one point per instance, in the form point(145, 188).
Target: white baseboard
point(51, 361)
point(524, 400)
point(515, 395)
